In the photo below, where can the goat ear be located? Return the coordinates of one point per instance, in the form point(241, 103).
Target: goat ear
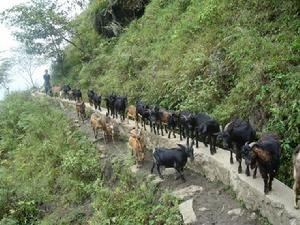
point(181, 146)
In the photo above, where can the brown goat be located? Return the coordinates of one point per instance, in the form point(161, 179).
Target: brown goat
point(131, 113)
point(103, 123)
point(296, 186)
point(137, 144)
point(55, 90)
point(80, 109)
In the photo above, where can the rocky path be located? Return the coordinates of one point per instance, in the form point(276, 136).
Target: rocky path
point(203, 202)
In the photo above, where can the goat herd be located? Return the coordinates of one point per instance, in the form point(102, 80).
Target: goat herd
point(238, 136)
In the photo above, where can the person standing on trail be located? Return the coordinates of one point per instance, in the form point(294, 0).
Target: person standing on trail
point(47, 82)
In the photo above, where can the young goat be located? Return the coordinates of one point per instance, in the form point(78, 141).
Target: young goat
point(80, 109)
point(296, 186)
point(266, 153)
point(99, 122)
point(137, 144)
point(131, 113)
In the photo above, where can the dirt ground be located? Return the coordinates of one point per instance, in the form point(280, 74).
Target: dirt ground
point(212, 205)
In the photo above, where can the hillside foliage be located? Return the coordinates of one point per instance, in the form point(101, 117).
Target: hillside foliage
point(229, 58)
point(52, 174)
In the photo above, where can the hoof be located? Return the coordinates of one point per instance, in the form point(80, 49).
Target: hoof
point(231, 161)
point(239, 170)
point(254, 176)
point(296, 206)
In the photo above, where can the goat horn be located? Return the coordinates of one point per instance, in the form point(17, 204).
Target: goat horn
point(252, 144)
point(221, 128)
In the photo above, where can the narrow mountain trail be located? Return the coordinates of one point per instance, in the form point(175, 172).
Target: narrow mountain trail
point(212, 202)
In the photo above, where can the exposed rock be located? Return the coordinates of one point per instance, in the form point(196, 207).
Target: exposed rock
point(102, 156)
point(253, 216)
point(169, 171)
point(134, 169)
point(110, 20)
point(236, 212)
point(157, 180)
point(203, 209)
point(187, 191)
point(187, 212)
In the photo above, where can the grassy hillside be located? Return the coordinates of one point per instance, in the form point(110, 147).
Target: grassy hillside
point(229, 58)
point(51, 174)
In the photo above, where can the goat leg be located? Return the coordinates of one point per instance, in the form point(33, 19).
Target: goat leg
point(211, 145)
point(231, 158)
point(214, 143)
point(197, 137)
point(180, 132)
point(271, 177)
point(248, 171)
point(158, 170)
point(162, 129)
point(240, 166)
point(254, 172)
point(153, 165)
point(295, 189)
point(179, 174)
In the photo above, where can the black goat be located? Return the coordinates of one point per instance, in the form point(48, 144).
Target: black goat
point(120, 105)
point(97, 101)
point(156, 119)
point(236, 134)
point(90, 94)
point(266, 153)
point(207, 128)
point(172, 123)
point(172, 158)
point(186, 125)
point(143, 112)
point(77, 95)
point(110, 104)
point(66, 89)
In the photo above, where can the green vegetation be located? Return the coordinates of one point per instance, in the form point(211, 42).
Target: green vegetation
point(51, 174)
point(227, 58)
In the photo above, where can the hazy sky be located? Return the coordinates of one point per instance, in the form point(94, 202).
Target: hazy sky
point(6, 43)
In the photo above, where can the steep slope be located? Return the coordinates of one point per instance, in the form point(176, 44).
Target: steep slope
point(227, 58)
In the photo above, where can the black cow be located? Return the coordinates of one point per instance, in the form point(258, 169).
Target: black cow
point(207, 128)
point(266, 154)
point(90, 94)
point(120, 107)
point(173, 158)
point(236, 134)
